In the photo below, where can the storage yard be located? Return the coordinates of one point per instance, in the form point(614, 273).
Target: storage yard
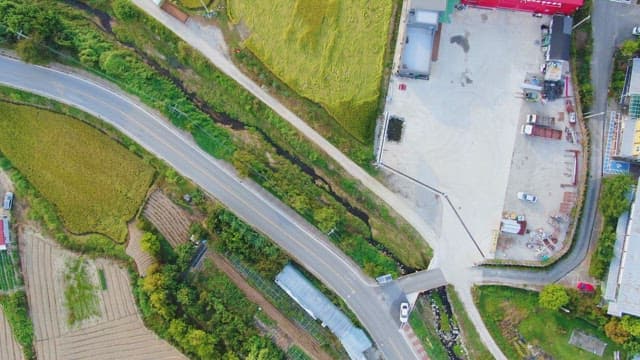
point(495, 117)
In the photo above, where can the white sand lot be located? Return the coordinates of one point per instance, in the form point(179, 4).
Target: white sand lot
point(461, 125)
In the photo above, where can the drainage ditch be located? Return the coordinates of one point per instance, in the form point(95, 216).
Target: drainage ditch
point(235, 124)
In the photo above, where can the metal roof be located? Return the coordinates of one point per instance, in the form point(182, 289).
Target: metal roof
point(560, 44)
point(634, 81)
point(435, 5)
point(628, 279)
point(353, 339)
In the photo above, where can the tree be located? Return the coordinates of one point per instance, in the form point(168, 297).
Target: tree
point(553, 297)
point(616, 331)
point(150, 243)
point(613, 199)
point(124, 10)
point(32, 51)
point(631, 324)
point(629, 48)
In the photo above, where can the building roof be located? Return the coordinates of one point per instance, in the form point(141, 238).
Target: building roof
point(560, 44)
point(614, 267)
point(628, 278)
point(435, 5)
point(354, 340)
point(634, 80)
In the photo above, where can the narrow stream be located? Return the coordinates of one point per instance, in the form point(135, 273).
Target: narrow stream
point(235, 124)
point(449, 338)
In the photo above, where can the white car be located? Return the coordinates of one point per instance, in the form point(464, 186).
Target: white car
point(527, 197)
point(404, 312)
point(636, 31)
point(8, 200)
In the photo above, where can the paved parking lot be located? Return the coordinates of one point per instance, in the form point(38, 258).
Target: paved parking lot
point(460, 126)
point(544, 168)
point(461, 133)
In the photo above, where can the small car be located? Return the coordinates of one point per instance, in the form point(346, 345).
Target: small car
point(8, 200)
point(404, 312)
point(636, 31)
point(585, 287)
point(527, 197)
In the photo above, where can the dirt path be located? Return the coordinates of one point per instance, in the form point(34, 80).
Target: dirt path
point(298, 336)
point(197, 35)
point(173, 223)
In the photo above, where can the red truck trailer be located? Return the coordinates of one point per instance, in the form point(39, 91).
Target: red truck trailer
point(541, 131)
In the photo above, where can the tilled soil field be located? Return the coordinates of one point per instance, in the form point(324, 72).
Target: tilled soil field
point(9, 348)
point(171, 220)
point(118, 333)
point(142, 258)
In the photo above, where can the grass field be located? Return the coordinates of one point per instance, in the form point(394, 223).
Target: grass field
point(95, 184)
point(508, 311)
point(8, 276)
point(80, 295)
point(194, 4)
point(330, 51)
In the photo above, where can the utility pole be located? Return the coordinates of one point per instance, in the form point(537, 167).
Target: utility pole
point(580, 22)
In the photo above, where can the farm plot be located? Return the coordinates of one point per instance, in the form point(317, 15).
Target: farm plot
point(142, 258)
point(95, 184)
point(9, 348)
point(329, 51)
point(117, 332)
point(9, 279)
point(172, 221)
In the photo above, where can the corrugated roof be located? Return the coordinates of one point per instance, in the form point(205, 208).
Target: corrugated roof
point(626, 301)
point(354, 340)
point(634, 80)
point(436, 5)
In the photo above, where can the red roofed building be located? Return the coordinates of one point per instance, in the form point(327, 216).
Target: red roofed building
point(549, 7)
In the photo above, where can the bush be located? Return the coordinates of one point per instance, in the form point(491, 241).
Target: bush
point(16, 310)
point(553, 297)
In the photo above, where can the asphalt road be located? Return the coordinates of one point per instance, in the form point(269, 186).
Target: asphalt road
point(258, 208)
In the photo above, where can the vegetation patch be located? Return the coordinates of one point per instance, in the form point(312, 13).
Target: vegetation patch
point(522, 328)
point(16, 310)
point(614, 200)
point(581, 50)
point(330, 51)
point(80, 294)
point(470, 337)
point(96, 184)
point(9, 277)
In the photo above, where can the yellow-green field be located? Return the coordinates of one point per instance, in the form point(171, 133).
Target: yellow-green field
point(96, 184)
point(330, 51)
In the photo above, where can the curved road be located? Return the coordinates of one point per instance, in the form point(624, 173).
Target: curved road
point(248, 201)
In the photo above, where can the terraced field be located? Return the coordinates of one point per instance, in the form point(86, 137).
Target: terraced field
point(171, 220)
point(117, 333)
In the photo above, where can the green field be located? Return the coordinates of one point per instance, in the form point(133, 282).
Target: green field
point(330, 51)
point(507, 311)
point(8, 275)
point(95, 184)
point(80, 295)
